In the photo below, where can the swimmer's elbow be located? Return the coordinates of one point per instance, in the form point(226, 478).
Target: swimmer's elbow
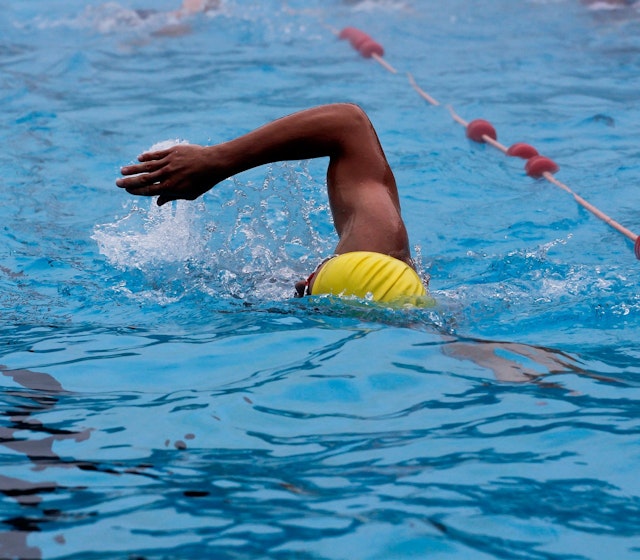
point(352, 115)
point(352, 125)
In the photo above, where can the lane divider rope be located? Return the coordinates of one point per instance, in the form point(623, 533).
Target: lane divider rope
point(479, 130)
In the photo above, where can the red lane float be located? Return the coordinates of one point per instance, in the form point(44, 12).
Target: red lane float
point(349, 32)
point(353, 35)
point(368, 48)
point(537, 166)
point(362, 42)
point(522, 150)
point(477, 129)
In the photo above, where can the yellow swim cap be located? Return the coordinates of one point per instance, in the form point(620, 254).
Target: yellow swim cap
point(366, 274)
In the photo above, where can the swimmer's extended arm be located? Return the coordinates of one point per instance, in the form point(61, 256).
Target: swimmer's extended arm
point(340, 131)
point(361, 186)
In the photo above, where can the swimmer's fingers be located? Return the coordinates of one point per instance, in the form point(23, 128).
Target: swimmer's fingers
point(138, 179)
point(180, 172)
point(154, 156)
point(165, 189)
point(147, 166)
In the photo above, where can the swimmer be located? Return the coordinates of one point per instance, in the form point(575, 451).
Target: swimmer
point(372, 258)
point(608, 4)
point(372, 255)
point(111, 16)
point(188, 8)
point(197, 6)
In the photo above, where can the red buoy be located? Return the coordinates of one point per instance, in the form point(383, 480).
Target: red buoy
point(358, 39)
point(637, 247)
point(537, 166)
point(349, 32)
point(522, 150)
point(369, 48)
point(361, 42)
point(479, 128)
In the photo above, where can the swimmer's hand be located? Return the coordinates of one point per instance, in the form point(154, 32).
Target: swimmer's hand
point(182, 172)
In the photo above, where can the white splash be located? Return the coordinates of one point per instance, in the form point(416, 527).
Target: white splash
point(257, 242)
point(153, 236)
point(156, 235)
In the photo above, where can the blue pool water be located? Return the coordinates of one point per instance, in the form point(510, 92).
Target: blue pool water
point(164, 396)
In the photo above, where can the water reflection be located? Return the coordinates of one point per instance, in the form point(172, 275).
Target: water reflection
point(515, 362)
point(40, 394)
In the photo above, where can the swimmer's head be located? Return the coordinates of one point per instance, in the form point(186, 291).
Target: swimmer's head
point(369, 275)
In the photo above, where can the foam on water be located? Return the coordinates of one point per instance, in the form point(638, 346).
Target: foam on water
point(161, 235)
